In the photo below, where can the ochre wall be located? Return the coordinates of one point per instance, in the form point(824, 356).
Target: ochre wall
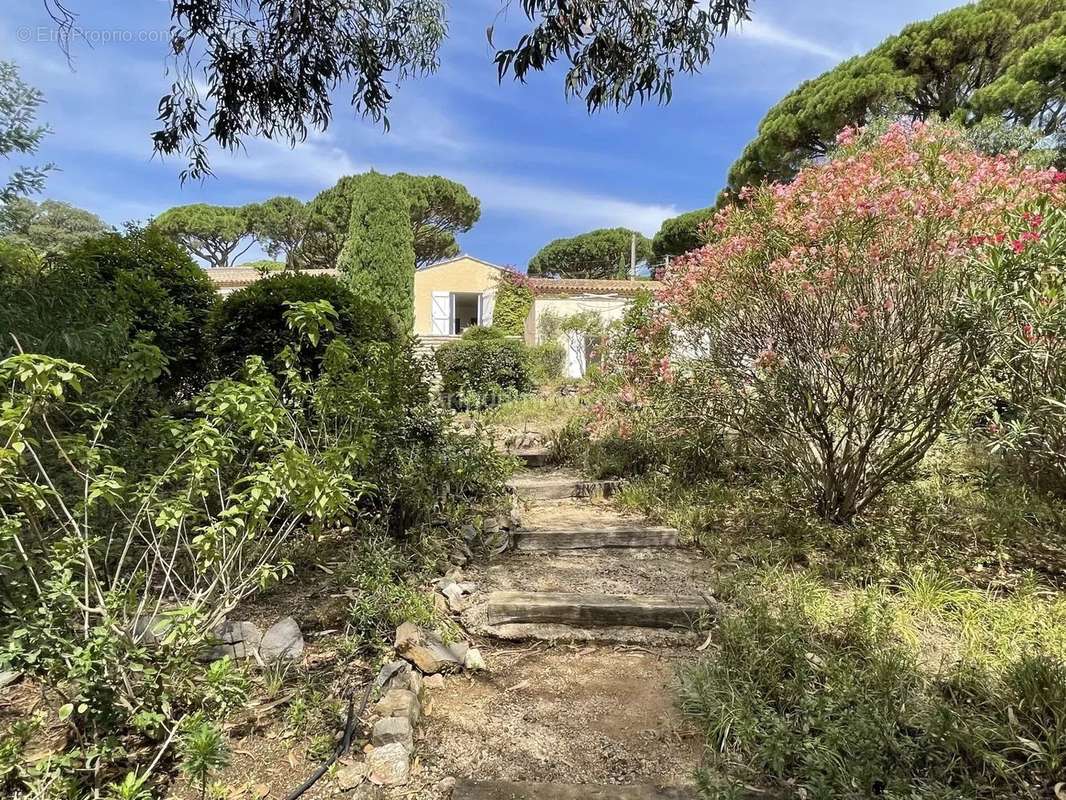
point(460, 275)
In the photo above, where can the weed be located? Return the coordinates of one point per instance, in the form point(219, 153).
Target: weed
point(384, 595)
point(827, 696)
point(273, 678)
point(203, 751)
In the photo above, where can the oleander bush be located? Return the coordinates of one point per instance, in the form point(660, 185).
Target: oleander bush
point(1020, 411)
point(838, 320)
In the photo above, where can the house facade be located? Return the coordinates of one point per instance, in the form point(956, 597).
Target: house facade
point(449, 296)
point(562, 298)
point(457, 293)
point(453, 295)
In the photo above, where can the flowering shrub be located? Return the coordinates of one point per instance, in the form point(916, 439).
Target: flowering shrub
point(1025, 399)
point(835, 319)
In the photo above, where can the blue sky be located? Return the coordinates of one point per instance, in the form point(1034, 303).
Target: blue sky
point(542, 167)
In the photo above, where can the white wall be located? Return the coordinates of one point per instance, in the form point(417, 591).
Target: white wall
point(610, 308)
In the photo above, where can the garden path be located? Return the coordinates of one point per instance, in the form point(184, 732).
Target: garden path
point(583, 625)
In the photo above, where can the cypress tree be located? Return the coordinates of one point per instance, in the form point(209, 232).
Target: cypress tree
point(378, 259)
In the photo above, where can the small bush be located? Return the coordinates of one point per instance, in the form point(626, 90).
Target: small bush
point(251, 321)
point(384, 595)
point(482, 368)
point(547, 363)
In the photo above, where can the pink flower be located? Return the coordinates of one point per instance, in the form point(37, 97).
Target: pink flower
point(846, 136)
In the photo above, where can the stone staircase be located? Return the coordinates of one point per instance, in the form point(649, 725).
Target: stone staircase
point(581, 572)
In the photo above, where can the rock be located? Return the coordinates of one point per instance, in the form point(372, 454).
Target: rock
point(389, 765)
point(440, 605)
point(367, 792)
point(443, 584)
point(150, 628)
point(403, 677)
point(473, 661)
point(458, 651)
point(454, 574)
point(459, 558)
point(283, 640)
point(426, 650)
point(236, 640)
point(394, 675)
point(393, 730)
point(445, 786)
point(468, 587)
point(399, 703)
point(454, 593)
point(434, 681)
point(469, 534)
point(491, 525)
point(350, 776)
point(407, 635)
point(8, 677)
point(415, 683)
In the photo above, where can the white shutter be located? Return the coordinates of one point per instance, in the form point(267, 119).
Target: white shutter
point(488, 307)
point(442, 313)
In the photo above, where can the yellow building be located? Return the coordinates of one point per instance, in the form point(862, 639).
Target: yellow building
point(452, 295)
point(449, 296)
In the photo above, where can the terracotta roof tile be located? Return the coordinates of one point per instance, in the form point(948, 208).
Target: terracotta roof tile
point(239, 277)
point(543, 286)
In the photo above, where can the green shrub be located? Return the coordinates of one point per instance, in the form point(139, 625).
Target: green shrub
point(113, 578)
point(514, 299)
point(1020, 411)
point(482, 368)
point(91, 303)
point(380, 577)
point(547, 362)
point(251, 321)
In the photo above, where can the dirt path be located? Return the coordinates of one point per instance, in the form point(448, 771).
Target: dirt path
point(561, 703)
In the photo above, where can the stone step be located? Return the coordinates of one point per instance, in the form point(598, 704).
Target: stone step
point(532, 458)
point(508, 790)
point(560, 488)
point(594, 538)
point(595, 610)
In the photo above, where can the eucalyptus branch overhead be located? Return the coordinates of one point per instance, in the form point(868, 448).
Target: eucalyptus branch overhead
point(268, 68)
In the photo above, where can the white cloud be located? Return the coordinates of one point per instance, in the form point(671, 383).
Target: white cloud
point(762, 31)
point(567, 208)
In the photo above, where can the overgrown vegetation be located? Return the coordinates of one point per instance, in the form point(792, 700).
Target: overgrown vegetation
point(851, 402)
point(251, 321)
point(140, 507)
point(514, 299)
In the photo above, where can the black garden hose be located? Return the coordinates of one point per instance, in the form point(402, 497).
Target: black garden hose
point(349, 729)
